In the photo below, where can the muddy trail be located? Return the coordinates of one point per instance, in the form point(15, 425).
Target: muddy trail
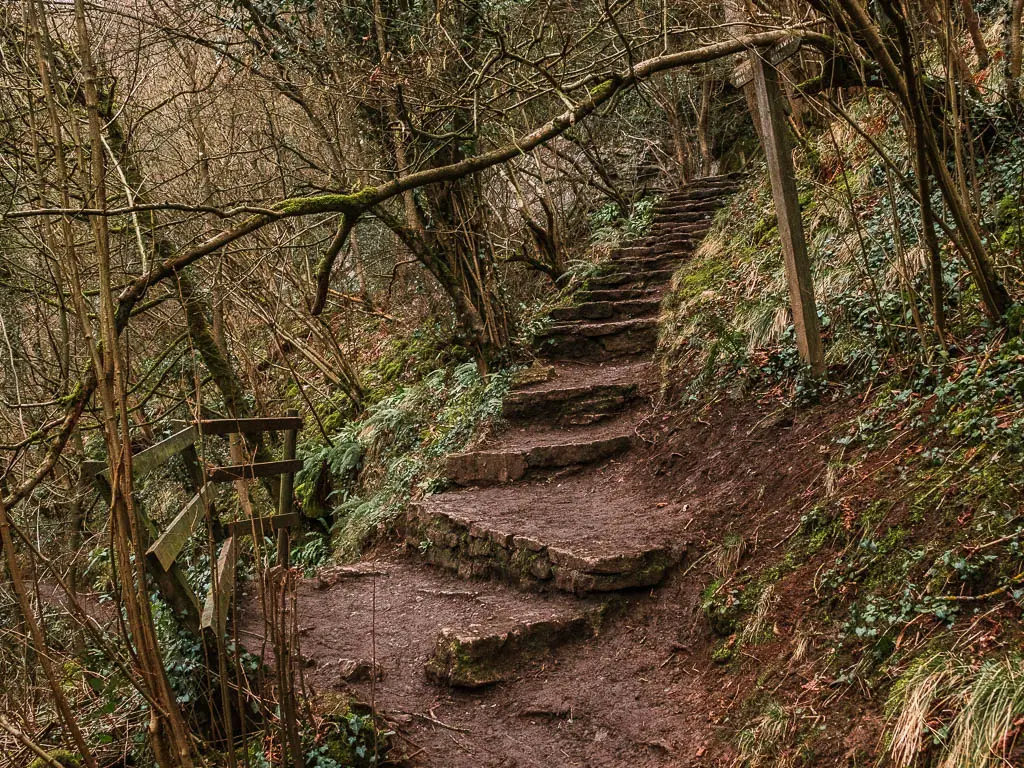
point(546, 610)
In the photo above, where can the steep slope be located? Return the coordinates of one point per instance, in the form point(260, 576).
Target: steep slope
point(542, 562)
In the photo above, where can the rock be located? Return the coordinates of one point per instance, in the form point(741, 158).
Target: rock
point(328, 577)
point(604, 341)
point(534, 375)
point(553, 707)
point(359, 670)
point(496, 467)
point(490, 466)
point(476, 661)
point(571, 405)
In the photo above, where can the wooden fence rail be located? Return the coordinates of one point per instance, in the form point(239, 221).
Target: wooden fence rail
point(163, 553)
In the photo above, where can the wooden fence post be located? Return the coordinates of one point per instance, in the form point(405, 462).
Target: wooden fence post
point(171, 582)
point(284, 501)
point(775, 136)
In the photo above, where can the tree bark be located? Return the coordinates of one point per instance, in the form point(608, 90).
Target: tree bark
point(1013, 68)
point(974, 27)
point(39, 642)
point(168, 733)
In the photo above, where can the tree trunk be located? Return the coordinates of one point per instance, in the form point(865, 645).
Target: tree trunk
point(1013, 63)
point(168, 734)
point(974, 27)
point(705, 142)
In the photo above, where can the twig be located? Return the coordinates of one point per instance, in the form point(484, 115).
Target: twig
point(435, 721)
point(21, 736)
point(980, 598)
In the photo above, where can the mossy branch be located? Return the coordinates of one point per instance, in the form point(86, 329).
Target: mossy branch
point(355, 204)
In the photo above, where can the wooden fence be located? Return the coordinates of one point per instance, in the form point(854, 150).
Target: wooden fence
point(167, 545)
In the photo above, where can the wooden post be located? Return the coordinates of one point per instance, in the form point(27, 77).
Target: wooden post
point(170, 583)
point(222, 585)
point(284, 500)
point(775, 137)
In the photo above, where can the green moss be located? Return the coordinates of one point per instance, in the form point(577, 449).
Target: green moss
point(723, 653)
point(353, 202)
point(701, 276)
point(62, 756)
point(72, 396)
point(603, 90)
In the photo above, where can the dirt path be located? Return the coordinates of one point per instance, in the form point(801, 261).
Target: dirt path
point(546, 610)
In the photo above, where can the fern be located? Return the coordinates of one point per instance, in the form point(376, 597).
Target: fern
point(379, 462)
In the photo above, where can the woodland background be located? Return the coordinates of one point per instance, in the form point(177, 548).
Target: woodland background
point(365, 211)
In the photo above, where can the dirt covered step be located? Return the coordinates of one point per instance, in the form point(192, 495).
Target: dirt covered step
point(681, 216)
point(699, 205)
point(396, 627)
point(570, 406)
point(621, 294)
point(599, 341)
point(641, 278)
point(474, 658)
point(549, 537)
point(692, 232)
point(640, 256)
point(516, 456)
point(655, 255)
point(717, 185)
point(607, 310)
point(665, 227)
point(575, 395)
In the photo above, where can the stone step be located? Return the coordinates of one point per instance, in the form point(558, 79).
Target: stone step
point(621, 294)
point(663, 246)
point(608, 310)
point(599, 341)
point(556, 538)
point(719, 194)
point(718, 186)
point(685, 235)
point(697, 226)
point(685, 217)
point(700, 205)
point(695, 229)
point(642, 258)
point(511, 461)
point(470, 658)
point(646, 263)
point(620, 279)
point(570, 405)
point(417, 618)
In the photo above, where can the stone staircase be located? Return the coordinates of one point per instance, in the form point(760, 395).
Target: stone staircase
point(542, 532)
point(524, 494)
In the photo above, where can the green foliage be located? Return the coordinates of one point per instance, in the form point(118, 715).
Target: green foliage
point(354, 741)
point(728, 316)
point(609, 227)
point(976, 400)
point(410, 357)
point(61, 756)
point(721, 606)
point(309, 555)
point(182, 657)
point(327, 471)
point(376, 463)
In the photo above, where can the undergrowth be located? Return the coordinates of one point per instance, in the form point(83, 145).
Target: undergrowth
point(915, 535)
point(372, 466)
